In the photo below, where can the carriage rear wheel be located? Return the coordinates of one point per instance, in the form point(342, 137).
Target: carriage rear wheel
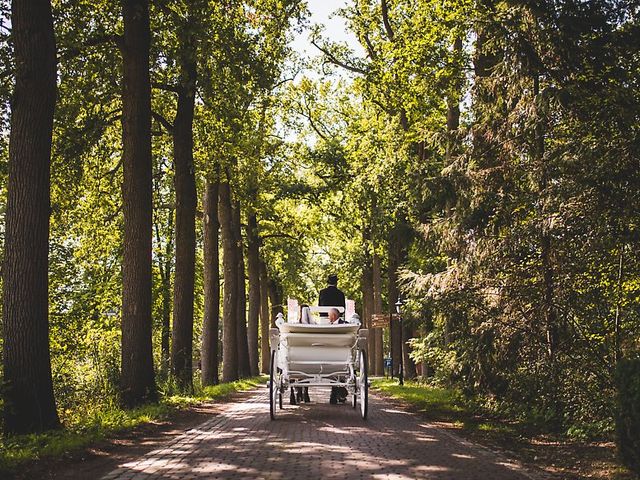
point(363, 386)
point(274, 386)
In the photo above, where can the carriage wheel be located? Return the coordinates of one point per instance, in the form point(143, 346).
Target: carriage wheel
point(274, 387)
point(363, 385)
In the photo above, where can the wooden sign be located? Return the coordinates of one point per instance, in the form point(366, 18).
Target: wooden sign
point(381, 320)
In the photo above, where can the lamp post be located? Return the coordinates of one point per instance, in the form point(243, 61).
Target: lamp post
point(399, 305)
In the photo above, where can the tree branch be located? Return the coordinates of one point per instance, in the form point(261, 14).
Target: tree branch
point(335, 61)
point(278, 235)
point(166, 87)
point(163, 121)
point(385, 20)
point(75, 51)
point(365, 36)
point(113, 170)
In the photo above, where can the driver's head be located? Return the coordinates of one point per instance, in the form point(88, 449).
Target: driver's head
point(334, 315)
point(332, 280)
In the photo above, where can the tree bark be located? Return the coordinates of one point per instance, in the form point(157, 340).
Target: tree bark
point(453, 103)
point(244, 369)
point(367, 310)
point(265, 320)
point(395, 335)
point(137, 378)
point(29, 404)
point(230, 304)
point(165, 267)
point(186, 202)
point(377, 308)
point(253, 270)
point(408, 364)
point(211, 321)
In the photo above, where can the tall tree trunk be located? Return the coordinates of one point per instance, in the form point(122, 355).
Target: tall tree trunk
point(241, 314)
point(407, 362)
point(29, 404)
point(377, 308)
point(253, 270)
point(367, 310)
point(265, 320)
point(453, 105)
point(617, 330)
point(395, 335)
point(165, 266)
point(230, 304)
point(186, 202)
point(137, 379)
point(546, 253)
point(211, 321)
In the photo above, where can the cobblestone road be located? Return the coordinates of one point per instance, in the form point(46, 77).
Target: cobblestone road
point(317, 440)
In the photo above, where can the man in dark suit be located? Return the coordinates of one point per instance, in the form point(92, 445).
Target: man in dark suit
point(332, 296)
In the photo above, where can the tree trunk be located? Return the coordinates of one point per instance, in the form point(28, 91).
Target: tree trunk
point(453, 104)
point(548, 276)
point(241, 314)
point(377, 308)
point(230, 304)
point(265, 321)
point(395, 335)
point(165, 266)
point(408, 364)
point(211, 321)
point(137, 378)
point(186, 202)
point(367, 310)
point(253, 268)
point(29, 404)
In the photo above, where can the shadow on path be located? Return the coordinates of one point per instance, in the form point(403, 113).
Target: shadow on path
point(318, 440)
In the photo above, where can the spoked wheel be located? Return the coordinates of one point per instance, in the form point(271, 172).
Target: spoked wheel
point(274, 386)
point(363, 386)
point(354, 396)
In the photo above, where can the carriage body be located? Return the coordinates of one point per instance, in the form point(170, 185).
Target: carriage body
point(318, 355)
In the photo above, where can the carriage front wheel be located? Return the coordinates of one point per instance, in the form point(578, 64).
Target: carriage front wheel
point(274, 387)
point(363, 385)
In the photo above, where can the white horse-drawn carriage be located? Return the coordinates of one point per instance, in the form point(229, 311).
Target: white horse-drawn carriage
point(318, 354)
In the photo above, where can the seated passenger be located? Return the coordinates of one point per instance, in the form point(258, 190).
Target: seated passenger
point(334, 316)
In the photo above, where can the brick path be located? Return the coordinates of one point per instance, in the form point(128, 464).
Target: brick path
point(317, 440)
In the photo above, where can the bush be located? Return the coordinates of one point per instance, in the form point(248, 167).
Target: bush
point(628, 415)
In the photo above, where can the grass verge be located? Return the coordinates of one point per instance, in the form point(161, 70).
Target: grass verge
point(555, 454)
point(450, 406)
point(103, 422)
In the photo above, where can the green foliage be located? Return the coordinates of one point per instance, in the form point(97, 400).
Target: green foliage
point(628, 413)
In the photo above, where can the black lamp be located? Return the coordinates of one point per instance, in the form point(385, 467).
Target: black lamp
point(399, 305)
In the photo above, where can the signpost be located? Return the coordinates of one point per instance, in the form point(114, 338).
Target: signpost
point(381, 320)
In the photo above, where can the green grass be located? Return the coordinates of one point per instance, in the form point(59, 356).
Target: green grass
point(102, 422)
point(436, 402)
point(447, 405)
